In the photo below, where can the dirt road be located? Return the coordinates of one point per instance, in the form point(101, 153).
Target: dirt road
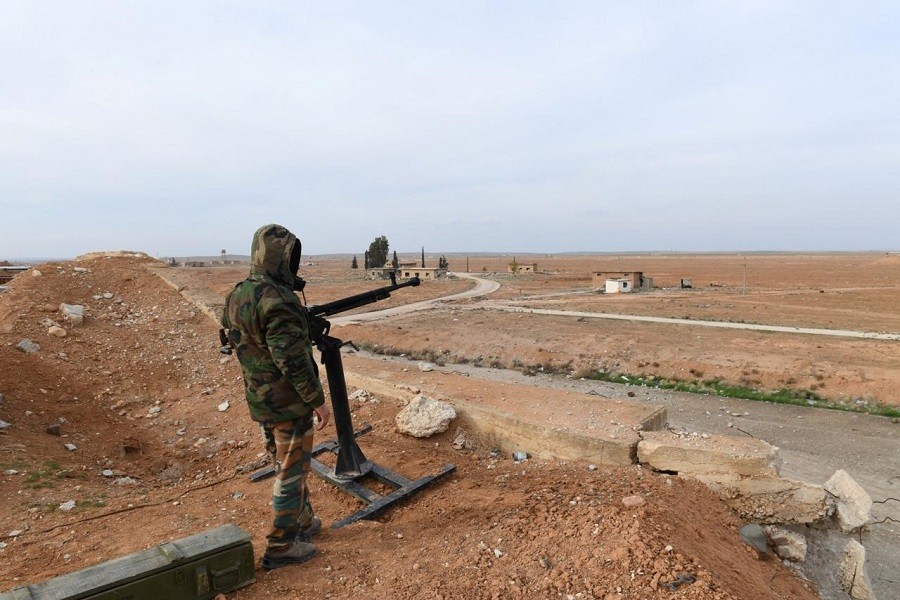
point(482, 288)
point(694, 322)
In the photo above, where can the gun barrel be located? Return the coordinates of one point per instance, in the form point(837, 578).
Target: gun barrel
point(355, 301)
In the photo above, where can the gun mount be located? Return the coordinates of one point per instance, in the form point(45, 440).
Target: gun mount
point(351, 465)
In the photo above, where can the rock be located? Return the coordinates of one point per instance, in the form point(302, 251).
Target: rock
point(81, 270)
point(153, 411)
point(360, 395)
point(73, 312)
point(4, 425)
point(126, 481)
point(788, 544)
point(853, 504)
point(67, 505)
point(54, 429)
point(424, 417)
point(71, 447)
point(519, 456)
point(107, 472)
point(426, 367)
point(462, 441)
point(854, 579)
point(27, 346)
point(754, 536)
point(107, 295)
point(56, 331)
point(223, 406)
point(36, 273)
point(633, 501)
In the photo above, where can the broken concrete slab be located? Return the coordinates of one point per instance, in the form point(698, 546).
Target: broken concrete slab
point(772, 500)
point(788, 545)
point(852, 503)
point(854, 579)
point(709, 455)
point(546, 423)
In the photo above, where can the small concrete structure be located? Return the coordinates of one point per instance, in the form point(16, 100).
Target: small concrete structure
point(424, 273)
point(517, 267)
point(618, 286)
point(379, 272)
point(636, 280)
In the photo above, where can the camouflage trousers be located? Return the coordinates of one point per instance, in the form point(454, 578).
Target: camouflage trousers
point(290, 444)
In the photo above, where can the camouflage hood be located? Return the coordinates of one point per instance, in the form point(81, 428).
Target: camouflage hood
point(270, 253)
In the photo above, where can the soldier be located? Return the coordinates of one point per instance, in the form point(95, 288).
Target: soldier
point(268, 328)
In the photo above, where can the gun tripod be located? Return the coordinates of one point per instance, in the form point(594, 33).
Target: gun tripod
point(352, 466)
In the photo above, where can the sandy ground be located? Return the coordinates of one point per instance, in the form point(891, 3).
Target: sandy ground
point(136, 391)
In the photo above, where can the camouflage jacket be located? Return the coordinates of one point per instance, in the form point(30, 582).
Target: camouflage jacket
point(269, 330)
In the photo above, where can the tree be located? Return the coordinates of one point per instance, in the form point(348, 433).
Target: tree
point(378, 252)
point(442, 262)
point(354, 264)
point(394, 262)
point(366, 262)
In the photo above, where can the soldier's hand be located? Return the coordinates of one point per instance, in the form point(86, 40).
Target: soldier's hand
point(324, 415)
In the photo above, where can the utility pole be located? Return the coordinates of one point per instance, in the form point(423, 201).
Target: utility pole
point(745, 275)
point(467, 264)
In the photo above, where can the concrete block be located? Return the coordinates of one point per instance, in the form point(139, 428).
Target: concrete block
point(509, 433)
point(854, 579)
point(770, 500)
point(852, 503)
point(711, 455)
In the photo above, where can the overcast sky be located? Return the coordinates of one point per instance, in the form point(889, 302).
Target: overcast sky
point(178, 128)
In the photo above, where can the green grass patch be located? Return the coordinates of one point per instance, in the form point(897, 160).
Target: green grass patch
point(716, 387)
point(45, 476)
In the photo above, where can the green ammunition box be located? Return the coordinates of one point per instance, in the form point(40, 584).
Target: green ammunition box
point(197, 567)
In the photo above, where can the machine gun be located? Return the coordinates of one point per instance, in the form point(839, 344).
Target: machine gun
point(351, 465)
point(320, 327)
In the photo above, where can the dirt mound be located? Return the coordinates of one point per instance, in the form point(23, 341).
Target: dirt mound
point(137, 393)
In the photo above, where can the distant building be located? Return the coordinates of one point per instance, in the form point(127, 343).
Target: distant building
point(521, 267)
point(423, 273)
point(618, 286)
point(636, 280)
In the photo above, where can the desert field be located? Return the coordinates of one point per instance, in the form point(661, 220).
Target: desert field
point(859, 292)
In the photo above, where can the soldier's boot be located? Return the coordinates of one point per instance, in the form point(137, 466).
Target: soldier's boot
point(292, 554)
point(306, 534)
